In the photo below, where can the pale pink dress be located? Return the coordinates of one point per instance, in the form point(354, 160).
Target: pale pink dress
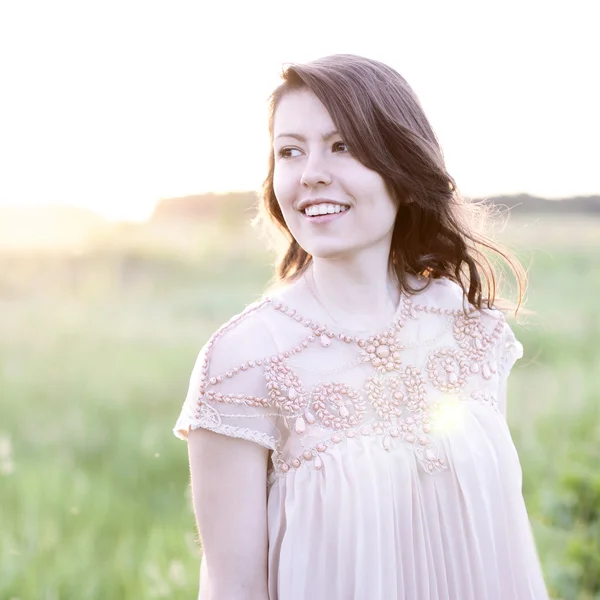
point(393, 474)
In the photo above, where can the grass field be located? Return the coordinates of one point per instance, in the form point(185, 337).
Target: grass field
point(96, 347)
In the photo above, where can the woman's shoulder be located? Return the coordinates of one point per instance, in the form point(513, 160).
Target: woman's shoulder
point(447, 296)
point(244, 337)
point(438, 294)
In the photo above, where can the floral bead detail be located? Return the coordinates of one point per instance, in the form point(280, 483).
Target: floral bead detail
point(284, 387)
point(448, 369)
point(386, 405)
point(389, 396)
point(415, 388)
point(475, 342)
point(383, 352)
point(428, 456)
point(338, 397)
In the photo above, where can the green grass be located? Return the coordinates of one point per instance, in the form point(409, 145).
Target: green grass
point(96, 348)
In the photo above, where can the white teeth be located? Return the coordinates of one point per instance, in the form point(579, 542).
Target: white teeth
point(324, 209)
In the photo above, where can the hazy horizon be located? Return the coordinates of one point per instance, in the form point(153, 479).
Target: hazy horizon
point(46, 207)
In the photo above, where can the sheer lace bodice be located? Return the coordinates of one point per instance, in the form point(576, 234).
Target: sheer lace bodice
point(297, 387)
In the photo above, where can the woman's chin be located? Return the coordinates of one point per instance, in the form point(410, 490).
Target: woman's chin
point(330, 251)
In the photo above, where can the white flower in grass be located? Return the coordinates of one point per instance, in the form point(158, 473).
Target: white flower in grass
point(177, 573)
point(7, 465)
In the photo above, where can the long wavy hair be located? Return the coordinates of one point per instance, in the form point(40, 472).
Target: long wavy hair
point(381, 119)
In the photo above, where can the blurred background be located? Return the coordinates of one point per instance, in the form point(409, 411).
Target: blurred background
point(132, 140)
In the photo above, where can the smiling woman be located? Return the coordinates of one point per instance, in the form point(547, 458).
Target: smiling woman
point(347, 433)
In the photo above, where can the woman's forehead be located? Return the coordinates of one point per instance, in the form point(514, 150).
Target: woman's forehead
point(301, 113)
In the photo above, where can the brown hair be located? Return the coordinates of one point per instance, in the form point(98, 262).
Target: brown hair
point(381, 119)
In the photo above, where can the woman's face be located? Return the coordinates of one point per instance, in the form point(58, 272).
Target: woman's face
point(333, 205)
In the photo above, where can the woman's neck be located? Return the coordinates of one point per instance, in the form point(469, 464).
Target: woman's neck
point(363, 289)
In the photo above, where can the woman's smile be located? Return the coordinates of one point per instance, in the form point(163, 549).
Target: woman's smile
point(323, 213)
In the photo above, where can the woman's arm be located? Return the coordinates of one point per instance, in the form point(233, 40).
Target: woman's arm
point(229, 487)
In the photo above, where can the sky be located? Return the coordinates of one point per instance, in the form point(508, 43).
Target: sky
point(113, 105)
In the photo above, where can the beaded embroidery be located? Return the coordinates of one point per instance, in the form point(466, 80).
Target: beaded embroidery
point(392, 405)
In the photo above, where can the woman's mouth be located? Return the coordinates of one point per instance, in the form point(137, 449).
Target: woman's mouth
point(321, 213)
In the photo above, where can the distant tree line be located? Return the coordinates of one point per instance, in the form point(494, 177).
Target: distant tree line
point(201, 207)
point(239, 206)
point(524, 203)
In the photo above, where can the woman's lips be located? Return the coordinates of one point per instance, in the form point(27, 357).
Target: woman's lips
point(326, 218)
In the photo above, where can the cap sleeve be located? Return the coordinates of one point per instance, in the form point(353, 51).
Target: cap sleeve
point(510, 349)
point(227, 391)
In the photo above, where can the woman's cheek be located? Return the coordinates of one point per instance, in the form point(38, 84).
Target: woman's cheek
point(283, 189)
point(278, 181)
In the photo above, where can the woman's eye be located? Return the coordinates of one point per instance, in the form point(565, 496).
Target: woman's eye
point(285, 152)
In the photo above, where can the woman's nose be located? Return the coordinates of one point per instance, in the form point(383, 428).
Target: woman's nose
point(315, 172)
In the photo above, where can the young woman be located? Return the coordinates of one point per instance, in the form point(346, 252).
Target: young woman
point(347, 433)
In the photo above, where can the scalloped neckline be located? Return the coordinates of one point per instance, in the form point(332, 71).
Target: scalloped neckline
point(337, 330)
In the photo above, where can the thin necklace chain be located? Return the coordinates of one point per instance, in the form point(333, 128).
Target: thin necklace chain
point(313, 292)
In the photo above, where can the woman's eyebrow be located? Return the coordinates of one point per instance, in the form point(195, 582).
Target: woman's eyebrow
point(301, 138)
